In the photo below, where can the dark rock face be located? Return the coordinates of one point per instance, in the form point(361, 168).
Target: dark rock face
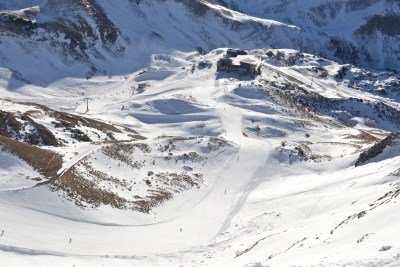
point(17, 26)
point(388, 25)
point(198, 8)
point(107, 30)
point(357, 5)
point(392, 140)
point(14, 125)
point(74, 27)
point(348, 52)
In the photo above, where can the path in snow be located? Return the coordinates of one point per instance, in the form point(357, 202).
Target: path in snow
point(233, 182)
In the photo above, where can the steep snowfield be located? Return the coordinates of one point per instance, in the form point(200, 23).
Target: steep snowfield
point(276, 155)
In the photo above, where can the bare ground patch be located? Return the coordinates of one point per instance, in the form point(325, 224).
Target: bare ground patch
point(84, 192)
point(44, 161)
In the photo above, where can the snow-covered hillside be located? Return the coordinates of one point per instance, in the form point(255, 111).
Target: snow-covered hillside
point(130, 134)
point(356, 31)
point(86, 38)
point(207, 167)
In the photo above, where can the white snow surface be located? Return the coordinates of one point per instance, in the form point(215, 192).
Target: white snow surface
point(259, 206)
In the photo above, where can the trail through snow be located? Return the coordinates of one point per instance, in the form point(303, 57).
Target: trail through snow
point(197, 227)
point(258, 199)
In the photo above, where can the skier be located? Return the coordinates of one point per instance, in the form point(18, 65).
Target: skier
point(123, 107)
point(2, 233)
point(70, 240)
point(180, 229)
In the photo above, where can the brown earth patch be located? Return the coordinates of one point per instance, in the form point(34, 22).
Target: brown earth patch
point(44, 161)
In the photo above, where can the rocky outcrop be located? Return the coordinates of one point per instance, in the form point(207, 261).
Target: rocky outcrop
point(41, 126)
point(390, 141)
point(22, 127)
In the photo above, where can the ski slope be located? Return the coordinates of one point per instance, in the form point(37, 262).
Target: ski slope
point(261, 204)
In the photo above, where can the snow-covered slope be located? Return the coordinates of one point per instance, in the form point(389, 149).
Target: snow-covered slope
point(235, 170)
point(85, 38)
point(357, 31)
point(121, 143)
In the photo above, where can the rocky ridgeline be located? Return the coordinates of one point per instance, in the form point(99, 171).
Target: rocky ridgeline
point(86, 31)
point(393, 140)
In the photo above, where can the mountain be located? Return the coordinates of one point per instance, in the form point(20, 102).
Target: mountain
point(199, 133)
point(83, 38)
point(96, 34)
point(354, 31)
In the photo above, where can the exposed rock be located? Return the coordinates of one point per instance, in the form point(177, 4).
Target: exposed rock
point(390, 141)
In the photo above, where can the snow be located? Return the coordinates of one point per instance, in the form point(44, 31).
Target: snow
point(261, 203)
point(15, 173)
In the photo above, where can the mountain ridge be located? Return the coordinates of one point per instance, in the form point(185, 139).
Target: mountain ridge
point(91, 34)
